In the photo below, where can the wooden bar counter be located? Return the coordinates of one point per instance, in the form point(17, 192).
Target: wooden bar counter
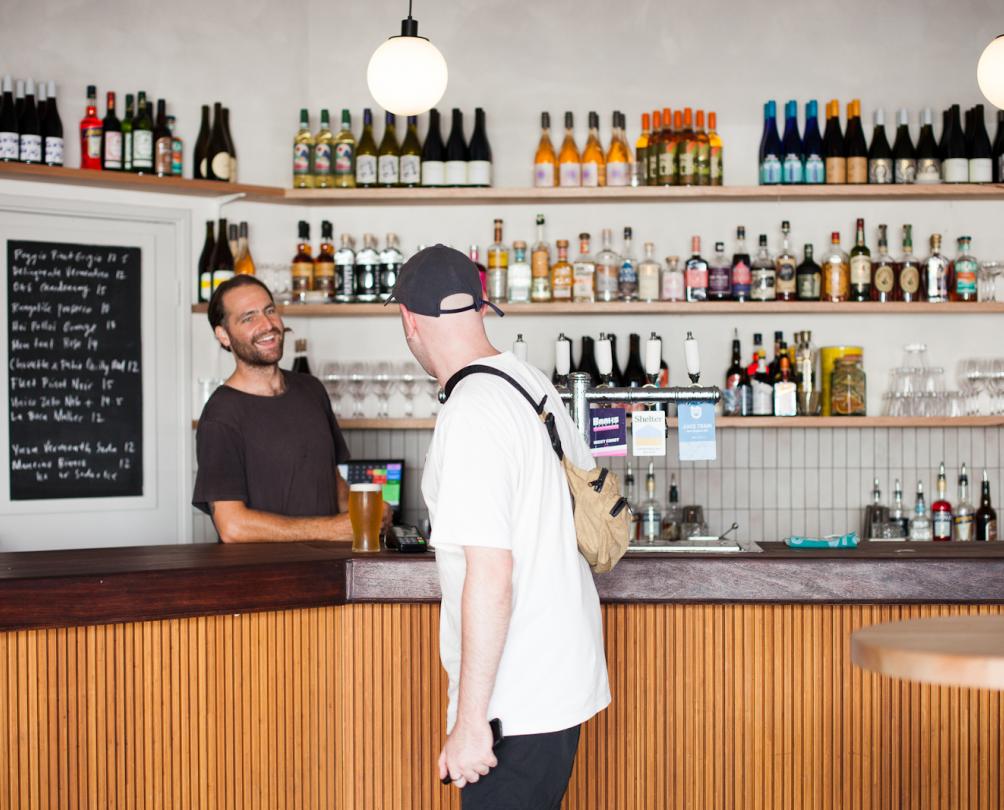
point(301, 676)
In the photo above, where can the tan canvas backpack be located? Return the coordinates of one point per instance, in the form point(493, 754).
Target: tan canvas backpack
point(602, 517)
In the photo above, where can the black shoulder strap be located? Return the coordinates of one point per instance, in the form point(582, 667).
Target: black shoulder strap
point(538, 407)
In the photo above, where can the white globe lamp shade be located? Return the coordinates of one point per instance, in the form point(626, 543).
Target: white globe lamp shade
point(407, 75)
point(990, 72)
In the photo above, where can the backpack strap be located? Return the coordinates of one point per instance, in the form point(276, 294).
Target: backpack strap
point(538, 407)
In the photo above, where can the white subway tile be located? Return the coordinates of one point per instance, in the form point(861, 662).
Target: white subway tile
point(855, 453)
point(837, 444)
point(798, 460)
point(756, 441)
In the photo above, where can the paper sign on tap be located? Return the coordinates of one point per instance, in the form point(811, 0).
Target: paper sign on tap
point(697, 431)
point(648, 433)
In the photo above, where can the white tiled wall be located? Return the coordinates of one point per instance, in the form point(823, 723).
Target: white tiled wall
point(774, 482)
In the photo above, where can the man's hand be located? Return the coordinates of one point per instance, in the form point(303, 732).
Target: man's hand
point(388, 518)
point(467, 755)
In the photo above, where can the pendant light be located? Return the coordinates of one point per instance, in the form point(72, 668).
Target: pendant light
point(990, 72)
point(407, 74)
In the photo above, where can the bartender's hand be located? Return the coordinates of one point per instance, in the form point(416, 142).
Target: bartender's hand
point(467, 755)
point(388, 518)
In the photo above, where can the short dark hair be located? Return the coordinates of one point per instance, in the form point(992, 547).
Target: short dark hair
point(215, 310)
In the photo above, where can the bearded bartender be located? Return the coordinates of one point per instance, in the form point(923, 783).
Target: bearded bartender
point(268, 445)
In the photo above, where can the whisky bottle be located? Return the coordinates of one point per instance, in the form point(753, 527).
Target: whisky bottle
point(594, 171)
point(964, 517)
point(545, 161)
point(584, 274)
point(569, 162)
point(561, 274)
point(963, 271)
point(808, 277)
point(908, 269)
point(986, 517)
point(884, 276)
point(836, 272)
point(302, 270)
point(303, 147)
point(860, 265)
point(786, 267)
point(540, 266)
point(498, 267)
point(323, 143)
point(324, 264)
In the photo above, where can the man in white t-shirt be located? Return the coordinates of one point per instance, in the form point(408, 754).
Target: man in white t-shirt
point(520, 629)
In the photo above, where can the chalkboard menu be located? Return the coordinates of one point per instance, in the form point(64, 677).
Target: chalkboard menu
point(75, 374)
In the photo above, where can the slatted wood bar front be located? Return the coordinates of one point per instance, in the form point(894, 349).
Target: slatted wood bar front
point(745, 707)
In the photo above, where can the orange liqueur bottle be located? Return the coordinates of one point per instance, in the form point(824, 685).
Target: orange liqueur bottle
point(594, 165)
point(545, 162)
point(569, 163)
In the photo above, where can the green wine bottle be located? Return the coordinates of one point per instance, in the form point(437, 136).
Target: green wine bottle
point(366, 154)
point(142, 138)
point(127, 122)
point(411, 155)
point(389, 156)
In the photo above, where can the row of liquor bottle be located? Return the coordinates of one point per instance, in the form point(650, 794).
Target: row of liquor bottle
point(225, 252)
point(330, 159)
point(943, 521)
point(535, 275)
point(671, 150)
point(963, 154)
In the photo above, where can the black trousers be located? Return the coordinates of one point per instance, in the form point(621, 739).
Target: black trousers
point(532, 773)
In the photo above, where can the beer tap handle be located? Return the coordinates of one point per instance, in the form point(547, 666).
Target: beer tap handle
point(693, 358)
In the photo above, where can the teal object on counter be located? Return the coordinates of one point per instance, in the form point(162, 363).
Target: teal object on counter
point(849, 540)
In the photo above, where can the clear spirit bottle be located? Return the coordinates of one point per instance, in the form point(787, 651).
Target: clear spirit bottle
point(785, 267)
point(764, 274)
point(920, 523)
point(649, 272)
point(651, 510)
point(519, 275)
point(935, 278)
point(627, 279)
point(608, 265)
point(964, 517)
point(584, 274)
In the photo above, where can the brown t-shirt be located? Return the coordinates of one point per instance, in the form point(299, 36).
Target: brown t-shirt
point(277, 454)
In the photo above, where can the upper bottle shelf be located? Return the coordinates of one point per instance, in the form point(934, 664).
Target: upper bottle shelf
point(473, 196)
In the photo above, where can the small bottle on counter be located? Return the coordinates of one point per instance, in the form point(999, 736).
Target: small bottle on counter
point(671, 518)
point(920, 523)
point(651, 510)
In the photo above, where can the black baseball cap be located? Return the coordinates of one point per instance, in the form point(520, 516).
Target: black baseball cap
point(435, 273)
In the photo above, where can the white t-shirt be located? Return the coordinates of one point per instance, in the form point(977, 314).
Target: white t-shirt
point(491, 479)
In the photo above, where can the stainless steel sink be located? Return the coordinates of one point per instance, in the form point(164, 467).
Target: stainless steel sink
point(696, 545)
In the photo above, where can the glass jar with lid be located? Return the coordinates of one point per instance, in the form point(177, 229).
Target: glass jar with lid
point(847, 387)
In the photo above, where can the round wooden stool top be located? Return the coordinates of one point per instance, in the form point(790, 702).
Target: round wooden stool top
point(945, 650)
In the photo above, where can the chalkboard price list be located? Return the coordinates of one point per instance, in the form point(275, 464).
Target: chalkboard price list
point(74, 370)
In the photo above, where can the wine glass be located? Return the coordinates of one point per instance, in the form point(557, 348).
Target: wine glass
point(359, 384)
point(333, 375)
point(383, 382)
point(408, 375)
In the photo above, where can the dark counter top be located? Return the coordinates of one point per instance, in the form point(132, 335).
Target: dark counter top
point(98, 586)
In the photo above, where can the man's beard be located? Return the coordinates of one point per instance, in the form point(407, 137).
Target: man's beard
point(250, 354)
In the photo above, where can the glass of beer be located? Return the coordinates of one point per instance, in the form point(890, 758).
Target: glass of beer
point(366, 514)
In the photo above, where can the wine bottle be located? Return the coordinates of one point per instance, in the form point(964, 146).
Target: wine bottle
point(30, 128)
point(231, 149)
point(569, 160)
point(303, 149)
point(594, 164)
point(545, 161)
point(53, 130)
point(733, 375)
point(90, 132)
point(456, 152)
point(479, 166)
point(111, 138)
point(162, 142)
point(980, 153)
point(324, 264)
point(634, 371)
point(366, 153)
point(389, 154)
point(833, 146)
point(904, 156)
point(880, 168)
point(814, 171)
point(222, 264)
point(40, 104)
point(928, 154)
point(686, 151)
point(998, 149)
point(587, 360)
point(201, 154)
point(792, 170)
point(322, 172)
point(244, 264)
point(18, 99)
point(345, 154)
point(142, 138)
point(433, 153)
point(652, 150)
point(204, 272)
point(9, 140)
point(616, 376)
point(954, 161)
point(302, 268)
point(860, 266)
point(218, 161)
point(855, 147)
point(411, 155)
point(770, 147)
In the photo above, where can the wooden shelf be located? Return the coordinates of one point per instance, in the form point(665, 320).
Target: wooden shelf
point(661, 308)
point(126, 181)
point(730, 422)
point(474, 196)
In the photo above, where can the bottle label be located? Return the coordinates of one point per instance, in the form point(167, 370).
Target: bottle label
point(433, 173)
point(715, 160)
point(909, 279)
point(127, 153)
point(880, 170)
point(785, 403)
point(955, 170)
point(31, 148)
point(792, 170)
point(981, 170)
point(808, 286)
point(857, 170)
point(928, 170)
point(861, 271)
point(937, 280)
point(763, 398)
point(963, 525)
point(322, 159)
point(942, 525)
point(667, 167)
point(742, 280)
point(570, 174)
point(763, 288)
point(836, 170)
point(653, 165)
point(837, 281)
point(324, 278)
point(301, 159)
point(479, 173)
point(618, 174)
point(786, 270)
point(583, 282)
point(8, 146)
point(344, 282)
point(343, 159)
point(696, 278)
point(590, 175)
point(815, 169)
point(720, 281)
point(411, 170)
point(539, 267)
point(686, 159)
point(606, 282)
point(162, 157)
point(770, 170)
point(205, 286)
point(730, 396)
point(905, 170)
point(543, 175)
point(456, 172)
point(562, 285)
point(387, 169)
point(672, 286)
point(991, 533)
point(965, 277)
point(884, 279)
point(648, 283)
point(219, 276)
point(113, 150)
point(366, 169)
point(367, 278)
point(178, 157)
point(221, 165)
point(142, 148)
point(53, 150)
point(519, 282)
point(388, 277)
